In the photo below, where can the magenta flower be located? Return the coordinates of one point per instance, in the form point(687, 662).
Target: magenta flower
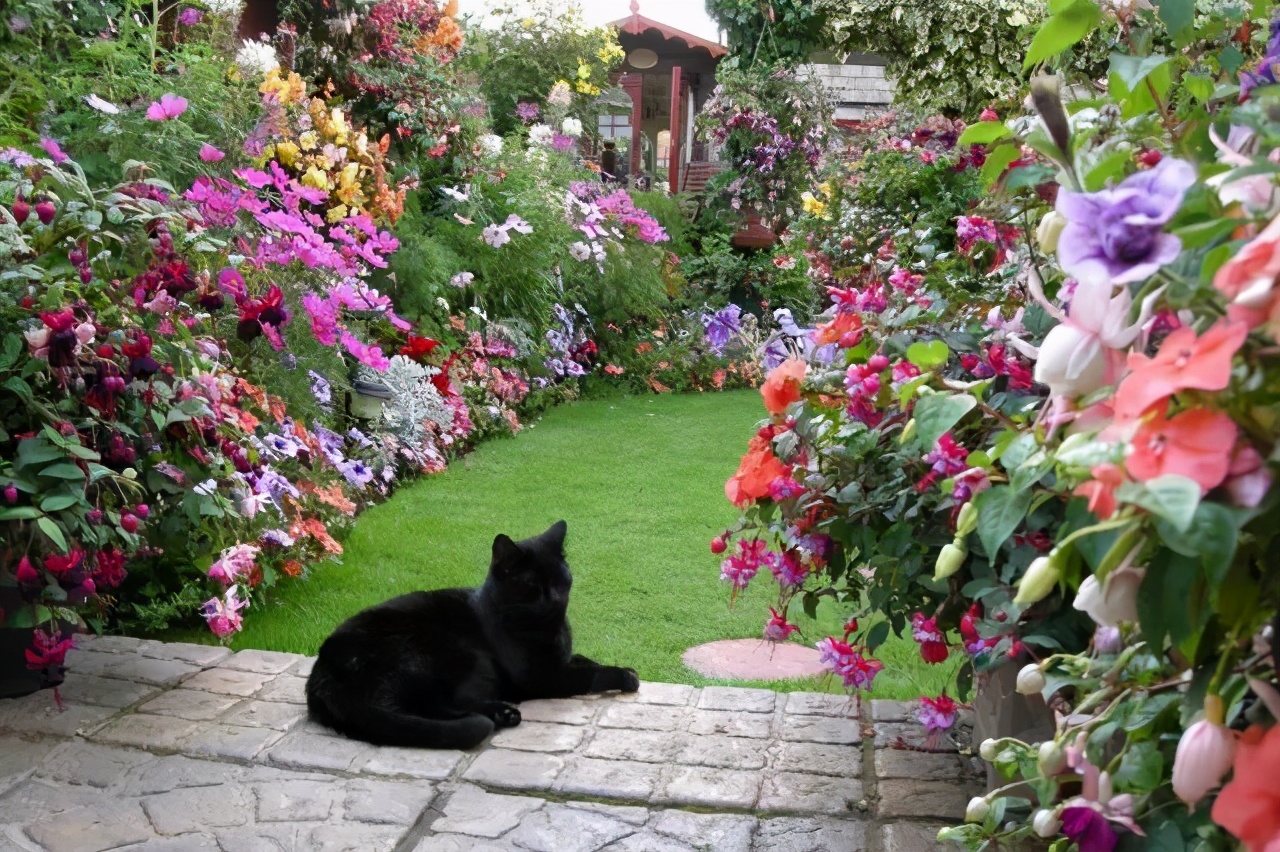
point(234, 564)
point(169, 107)
point(370, 356)
point(1089, 829)
point(190, 17)
point(527, 112)
point(210, 154)
point(788, 569)
point(937, 714)
point(1117, 234)
point(223, 616)
point(777, 628)
point(48, 649)
point(741, 566)
point(54, 150)
point(855, 670)
point(933, 644)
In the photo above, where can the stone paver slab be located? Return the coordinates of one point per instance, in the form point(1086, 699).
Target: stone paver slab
point(308, 751)
point(910, 837)
point(821, 729)
point(821, 704)
point(107, 826)
point(277, 715)
point(798, 834)
point(89, 662)
point(296, 801)
point(737, 699)
point(387, 802)
point(265, 662)
point(642, 717)
point(567, 711)
point(752, 725)
point(902, 797)
point(232, 742)
point(923, 766)
point(892, 711)
point(105, 691)
point(461, 843)
point(706, 831)
point(723, 752)
point(151, 671)
point(194, 808)
point(198, 655)
point(797, 792)
point(910, 735)
point(841, 761)
point(644, 746)
point(515, 770)
point(38, 714)
point(354, 837)
point(659, 693)
point(539, 736)
point(228, 681)
point(286, 687)
point(611, 779)
point(707, 787)
point(164, 774)
point(433, 764)
point(557, 828)
point(79, 762)
point(145, 731)
point(477, 813)
point(193, 704)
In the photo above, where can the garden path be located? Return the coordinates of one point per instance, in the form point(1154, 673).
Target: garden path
point(187, 747)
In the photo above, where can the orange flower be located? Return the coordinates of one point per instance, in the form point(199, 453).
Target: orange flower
point(835, 331)
point(1183, 362)
point(279, 411)
point(315, 528)
point(1249, 806)
point(292, 567)
point(331, 495)
point(782, 387)
point(759, 467)
point(1196, 444)
point(1101, 490)
point(1248, 279)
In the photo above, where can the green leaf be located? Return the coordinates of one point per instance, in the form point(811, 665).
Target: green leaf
point(1171, 497)
point(928, 355)
point(937, 413)
point(1177, 15)
point(54, 532)
point(877, 635)
point(1203, 233)
point(998, 159)
point(1231, 59)
point(1062, 29)
point(983, 133)
point(58, 502)
point(1132, 70)
point(1165, 599)
point(1108, 168)
point(35, 451)
point(20, 513)
point(63, 470)
point(1000, 510)
point(1212, 536)
point(1199, 86)
point(1141, 768)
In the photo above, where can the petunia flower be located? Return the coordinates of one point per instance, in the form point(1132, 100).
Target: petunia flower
point(1184, 362)
point(1196, 444)
point(169, 107)
point(210, 154)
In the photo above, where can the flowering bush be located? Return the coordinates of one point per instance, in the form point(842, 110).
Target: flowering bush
point(1086, 482)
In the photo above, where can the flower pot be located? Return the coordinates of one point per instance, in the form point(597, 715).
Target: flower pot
point(999, 710)
point(753, 234)
point(367, 399)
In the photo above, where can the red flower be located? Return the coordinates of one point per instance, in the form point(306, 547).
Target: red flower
point(48, 650)
point(60, 566)
point(418, 348)
point(933, 645)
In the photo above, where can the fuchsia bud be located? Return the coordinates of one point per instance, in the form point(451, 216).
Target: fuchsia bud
point(94, 516)
point(718, 545)
point(45, 211)
point(11, 494)
point(129, 522)
point(1205, 754)
point(21, 209)
point(142, 510)
point(26, 573)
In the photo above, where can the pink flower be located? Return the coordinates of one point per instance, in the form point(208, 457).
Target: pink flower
point(855, 670)
point(777, 628)
point(933, 645)
point(223, 616)
point(48, 649)
point(210, 154)
point(742, 565)
point(169, 107)
point(54, 150)
point(235, 563)
point(1195, 443)
point(370, 356)
point(1204, 757)
point(788, 569)
point(937, 714)
point(324, 318)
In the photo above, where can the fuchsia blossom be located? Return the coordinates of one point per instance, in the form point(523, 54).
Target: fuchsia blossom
point(862, 381)
point(1087, 818)
point(854, 669)
point(743, 564)
point(235, 564)
point(777, 628)
point(48, 649)
point(787, 568)
point(947, 458)
point(169, 107)
point(903, 372)
point(933, 644)
point(784, 488)
point(223, 616)
point(937, 714)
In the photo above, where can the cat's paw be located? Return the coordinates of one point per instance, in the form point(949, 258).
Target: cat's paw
point(506, 716)
point(629, 681)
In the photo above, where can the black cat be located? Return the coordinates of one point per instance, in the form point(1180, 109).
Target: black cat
point(442, 669)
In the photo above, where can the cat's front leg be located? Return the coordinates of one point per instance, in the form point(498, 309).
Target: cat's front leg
point(606, 678)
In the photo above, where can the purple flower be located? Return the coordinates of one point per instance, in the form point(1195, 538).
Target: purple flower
point(721, 327)
point(359, 437)
point(279, 538)
point(190, 17)
point(1117, 234)
point(331, 444)
point(320, 388)
point(1266, 73)
point(526, 111)
point(357, 473)
point(562, 143)
point(1088, 828)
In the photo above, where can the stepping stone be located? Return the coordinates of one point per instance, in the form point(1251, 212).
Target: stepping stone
point(754, 659)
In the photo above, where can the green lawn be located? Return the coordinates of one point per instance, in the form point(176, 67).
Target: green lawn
point(640, 482)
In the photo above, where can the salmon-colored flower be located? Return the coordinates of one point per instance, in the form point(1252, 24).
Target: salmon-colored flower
point(1249, 278)
point(1249, 806)
point(1196, 444)
point(1101, 490)
point(782, 387)
point(1183, 362)
point(845, 329)
point(758, 469)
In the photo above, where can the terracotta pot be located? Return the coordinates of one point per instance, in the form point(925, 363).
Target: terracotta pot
point(1000, 711)
point(753, 233)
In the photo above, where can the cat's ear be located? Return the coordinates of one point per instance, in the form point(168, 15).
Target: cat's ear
point(504, 550)
point(554, 535)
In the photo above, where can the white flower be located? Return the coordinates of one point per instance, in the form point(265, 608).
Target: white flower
point(571, 127)
point(206, 488)
point(560, 94)
point(1113, 601)
point(580, 251)
point(102, 105)
point(491, 144)
point(1030, 680)
point(496, 236)
point(515, 223)
point(462, 279)
point(257, 58)
point(541, 135)
point(457, 195)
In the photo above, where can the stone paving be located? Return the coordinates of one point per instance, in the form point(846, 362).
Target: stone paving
point(191, 747)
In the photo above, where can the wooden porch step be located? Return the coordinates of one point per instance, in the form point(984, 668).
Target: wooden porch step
point(697, 174)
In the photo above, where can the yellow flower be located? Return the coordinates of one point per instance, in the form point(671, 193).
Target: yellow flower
point(286, 153)
point(338, 125)
point(584, 70)
point(349, 176)
point(309, 140)
point(813, 206)
point(527, 23)
point(825, 188)
point(316, 178)
point(336, 214)
point(587, 89)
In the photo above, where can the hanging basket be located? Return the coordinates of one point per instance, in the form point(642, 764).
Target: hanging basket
point(753, 233)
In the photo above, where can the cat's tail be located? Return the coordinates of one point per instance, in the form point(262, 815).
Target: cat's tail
point(386, 727)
